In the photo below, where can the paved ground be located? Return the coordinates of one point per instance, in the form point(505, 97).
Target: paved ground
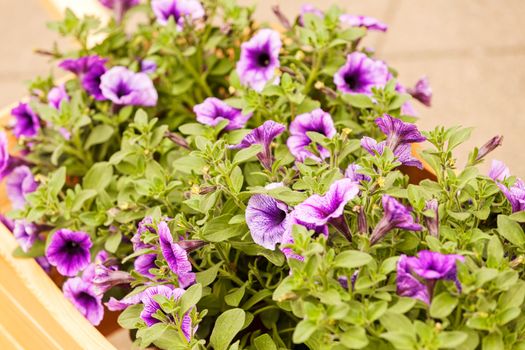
point(473, 51)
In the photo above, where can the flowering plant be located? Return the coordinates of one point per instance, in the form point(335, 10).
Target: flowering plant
point(232, 186)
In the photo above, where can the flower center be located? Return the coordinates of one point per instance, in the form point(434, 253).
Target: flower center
point(85, 298)
point(122, 90)
point(263, 59)
point(72, 248)
point(351, 81)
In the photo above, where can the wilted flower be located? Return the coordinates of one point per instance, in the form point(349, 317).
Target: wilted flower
point(69, 251)
point(369, 23)
point(106, 278)
point(267, 219)
point(422, 91)
point(212, 111)
point(352, 173)
point(360, 74)
point(56, 95)
point(329, 208)
point(432, 223)
point(179, 10)
point(175, 256)
point(396, 215)
point(19, 183)
point(26, 121)
point(124, 87)
point(262, 135)
point(84, 297)
point(315, 121)
point(259, 59)
point(81, 65)
point(498, 171)
point(151, 307)
point(489, 146)
point(25, 234)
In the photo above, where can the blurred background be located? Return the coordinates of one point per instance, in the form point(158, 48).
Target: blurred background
point(473, 52)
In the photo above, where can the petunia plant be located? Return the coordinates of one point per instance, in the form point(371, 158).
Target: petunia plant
point(227, 184)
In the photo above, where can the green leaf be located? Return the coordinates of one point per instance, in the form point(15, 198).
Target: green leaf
point(511, 231)
point(150, 334)
point(189, 164)
point(403, 305)
point(303, 331)
point(354, 338)
point(449, 340)
point(190, 298)
point(443, 305)
point(264, 342)
point(81, 198)
point(218, 229)
point(358, 100)
point(400, 339)
point(393, 322)
point(227, 325)
point(234, 297)
point(351, 259)
point(237, 179)
point(57, 181)
point(98, 177)
point(112, 242)
point(493, 341)
point(205, 278)
point(130, 316)
point(100, 134)
point(247, 153)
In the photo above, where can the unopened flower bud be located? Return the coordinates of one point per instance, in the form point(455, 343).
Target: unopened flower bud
point(489, 146)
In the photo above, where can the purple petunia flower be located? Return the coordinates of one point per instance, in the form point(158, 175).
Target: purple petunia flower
point(145, 225)
point(398, 132)
point(435, 266)
point(106, 278)
point(432, 223)
point(148, 66)
point(151, 307)
point(179, 10)
point(369, 23)
point(259, 59)
point(81, 65)
point(69, 251)
point(352, 173)
point(56, 95)
point(360, 74)
point(118, 305)
point(288, 237)
point(5, 160)
point(403, 153)
point(120, 7)
point(43, 263)
point(315, 121)
point(498, 171)
point(144, 263)
point(212, 111)
point(328, 208)
point(422, 91)
point(175, 256)
point(84, 297)
point(262, 135)
point(515, 194)
point(92, 79)
point(20, 183)
point(25, 234)
point(396, 215)
point(124, 87)
point(267, 219)
point(407, 284)
point(102, 257)
point(26, 123)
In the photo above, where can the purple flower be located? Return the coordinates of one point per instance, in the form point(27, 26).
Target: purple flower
point(402, 152)
point(26, 121)
point(288, 237)
point(102, 257)
point(298, 142)
point(489, 146)
point(515, 194)
point(259, 59)
point(329, 208)
point(396, 215)
point(398, 132)
point(262, 135)
point(44, 263)
point(360, 74)
point(407, 284)
point(432, 223)
point(212, 111)
point(92, 79)
point(422, 91)
point(434, 266)
point(81, 65)
point(56, 95)
point(106, 278)
point(125, 87)
point(498, 171)
point(179, 10)
point(69, 251)
point(175, 256)
point(148, 66)
point(267, 219)
point(363, 21)
point(19, 184)
point(4, 156)
point(25, 234)
point(145, 225)
point(120, 7)
point(151, 307)
point(144, 263)
point(84, 297)
point(352, 173)
point(118, 305)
